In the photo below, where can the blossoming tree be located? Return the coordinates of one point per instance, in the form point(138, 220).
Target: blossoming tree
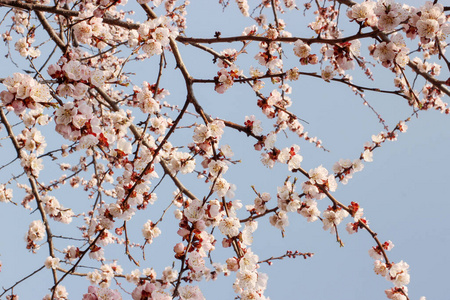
point(108, 119)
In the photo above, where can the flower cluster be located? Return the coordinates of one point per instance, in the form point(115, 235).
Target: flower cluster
point(74, 77)
point(148, 99)
point(319, 182)
point(32, 140)
point(152, 36)
point(56, 211)
point(150, 231)
point(104, 276)
point(95, 293)
point(24, 92)
point(5, 194)
point(23, 46)
point(303, 51)
point(36, 233)
point(249, 283)
point(332, 217)
point(345, 168)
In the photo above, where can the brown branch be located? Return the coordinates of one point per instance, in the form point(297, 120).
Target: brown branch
point(244, 38)
point(34, 188)
point(21, 280)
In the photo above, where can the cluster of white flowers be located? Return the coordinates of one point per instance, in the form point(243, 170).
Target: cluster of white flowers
point(85, 31)
point(60, 293)
point(279, 220)
point(376, 252)
point(105, 275)
point(309, 210)
point(249, 283)
point(153, 289)
point(24, 92)
point(345, 168)
point(77, 121)
point(259, 206)
point(32, 140)
point(181, 162)
point(247, 233)
point(36, 232)
point(150, 231)
point(301, 49)
point(213, 130)
point(56, 211)
point(290, 4)
point(51, 262)
point(328, 73)
point(230, 226)
point(5, 194)
point(267, 57)
point(74, 77)
point(332, 217)
point(71, 253)
point(288, 199)
point(432, 22)
point(319, 180)
point(152, 36)
point(101, 293)
point(188, 292)
point(31, 164)
point(148, 99)
point(386, 14)
point(243, 7)
point(398, 274)
point(393, 51)
point(24, 48)
point(225, 78)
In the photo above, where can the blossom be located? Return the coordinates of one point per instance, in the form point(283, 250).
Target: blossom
point(133, 277)
point(279, 220)
point(221, 187)
point(318, 175)
point(5, 194)
point(290, 4)
point(95, 293)
point(248, 262)
point(51, 262)
point(367, 155)
point(60, 293)
point(216, 128)
point(309, 210)
point(194, 210)
point(380, 268)
point(246, 279)
point(243, 7)
point(36, 231)
point(332, 218)
point(201, 133)
point(188, 292)
point(301, 49)
point(169, 274)
point(230, 226)
point(196, 261)
point(253, 124)
point(363, 11)
point(150, 231)
point(328, 73)
point(399, 274)
point(98, 78)
point(217, 167)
